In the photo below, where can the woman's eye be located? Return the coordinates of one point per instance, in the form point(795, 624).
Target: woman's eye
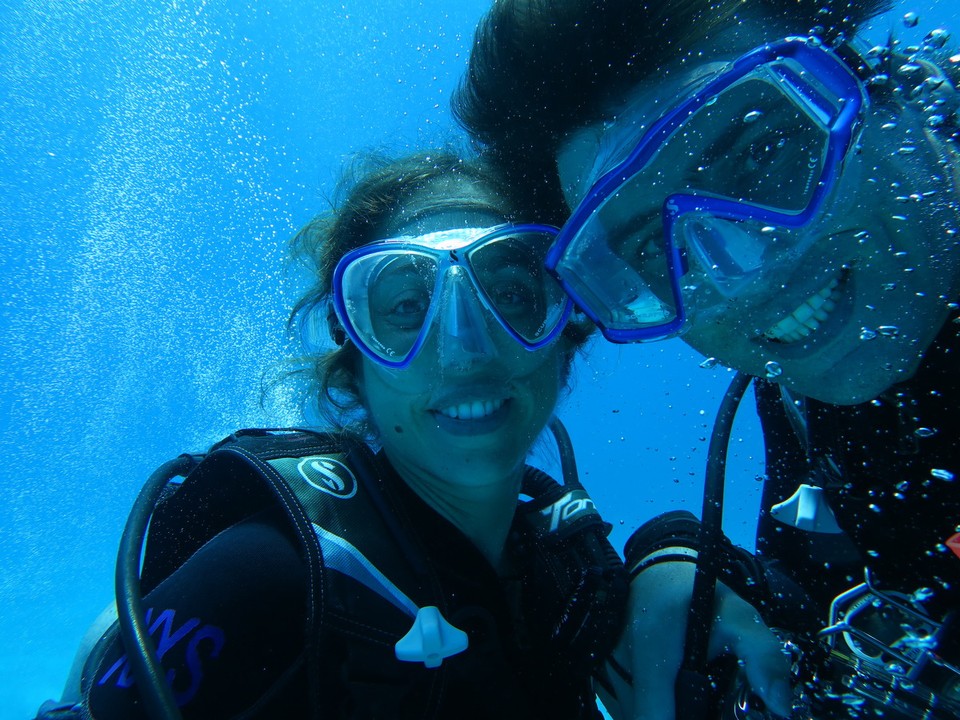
point(408, 307)
point(408, 311)
point(764, 153)
point(513, 294)
point(514, 289)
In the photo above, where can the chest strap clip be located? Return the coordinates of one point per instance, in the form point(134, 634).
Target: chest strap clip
point(431, 639)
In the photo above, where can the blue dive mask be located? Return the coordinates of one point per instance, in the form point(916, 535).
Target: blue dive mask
point(717, 190)
point(388, 295)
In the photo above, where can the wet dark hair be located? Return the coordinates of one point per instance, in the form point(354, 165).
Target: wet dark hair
point(540, 69)
point(372, 193)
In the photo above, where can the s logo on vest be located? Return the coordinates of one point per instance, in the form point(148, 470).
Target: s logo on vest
point(328, 475)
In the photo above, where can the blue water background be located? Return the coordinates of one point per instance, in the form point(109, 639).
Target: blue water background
point(154, 159)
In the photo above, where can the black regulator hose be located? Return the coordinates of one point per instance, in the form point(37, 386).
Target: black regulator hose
point(692, 690)
point(568, 462)
point(141, 650)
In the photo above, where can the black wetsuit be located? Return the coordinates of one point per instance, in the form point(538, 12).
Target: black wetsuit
point(231, 626)
point(886, 466)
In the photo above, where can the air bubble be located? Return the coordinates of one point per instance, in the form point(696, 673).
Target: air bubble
point(911, 19)
point(773, 370)
point(752, 116)
point(709, 363)
point(855, 701)
point(925, 432)
point(937, 38)
point(867, 334)
point(941, 474)
point(888, 330)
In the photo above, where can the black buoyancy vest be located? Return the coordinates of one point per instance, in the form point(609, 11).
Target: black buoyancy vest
point(366, 578)
point(880, 463)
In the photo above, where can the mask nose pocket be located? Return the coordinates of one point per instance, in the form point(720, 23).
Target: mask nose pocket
point(464, 333)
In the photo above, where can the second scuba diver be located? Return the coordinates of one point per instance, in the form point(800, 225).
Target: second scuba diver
point(782, 195)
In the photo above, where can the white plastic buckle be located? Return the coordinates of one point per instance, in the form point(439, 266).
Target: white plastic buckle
point(431, 639)
point(807, 509)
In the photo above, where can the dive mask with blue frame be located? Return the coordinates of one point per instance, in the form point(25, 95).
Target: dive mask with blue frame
point(718, 190)
point(389, 294)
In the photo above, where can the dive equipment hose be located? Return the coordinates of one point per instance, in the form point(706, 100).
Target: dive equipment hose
point(154, 689)
point(568, 463)
point(692, 685)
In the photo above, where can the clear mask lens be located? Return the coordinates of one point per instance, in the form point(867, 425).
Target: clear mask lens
point(389, 299)
point(609, 271)
point(730, 253)
point(511, 275)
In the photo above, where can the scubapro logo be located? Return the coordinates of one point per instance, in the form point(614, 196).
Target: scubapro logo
point(329, 476)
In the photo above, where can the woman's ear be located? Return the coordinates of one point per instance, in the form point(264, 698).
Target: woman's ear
point(337, 333)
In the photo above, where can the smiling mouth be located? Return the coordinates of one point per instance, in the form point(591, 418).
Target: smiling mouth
point(803, 321)
point(476, 410)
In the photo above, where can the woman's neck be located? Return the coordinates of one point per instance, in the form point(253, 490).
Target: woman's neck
point(481, 509)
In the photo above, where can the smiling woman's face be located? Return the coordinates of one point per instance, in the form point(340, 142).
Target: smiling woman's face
point(853, 312)
point(464, 412)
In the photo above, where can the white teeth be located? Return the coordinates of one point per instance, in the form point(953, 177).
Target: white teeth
point(473, 410)
point(806, 318)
